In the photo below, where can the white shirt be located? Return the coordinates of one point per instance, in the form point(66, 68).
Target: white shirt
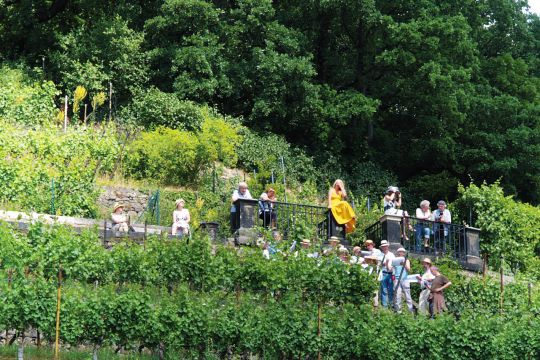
point(180, 217)
point(238, 195)
point(420, 214)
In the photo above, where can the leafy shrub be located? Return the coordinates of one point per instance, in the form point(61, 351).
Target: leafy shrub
point(168, 156)
point(178, 157)
point(31, 159)
point(368, 178)
point(263, 153)
point(153, 108)
point(24, 100)
point(509, 228)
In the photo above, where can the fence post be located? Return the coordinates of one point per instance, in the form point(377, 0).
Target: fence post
point(529, 286)
point(65, 113)
point(58, 301)
point(157, 207)
point(53, 211)
point(319, 317)
point(284, 181)
point(110, 101)
point(502, 284)
point(85, 113)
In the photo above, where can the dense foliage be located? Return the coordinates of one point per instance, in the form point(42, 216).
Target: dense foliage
point(181, 299)
point(430, 92)
point(509, 228)
point(47, 170)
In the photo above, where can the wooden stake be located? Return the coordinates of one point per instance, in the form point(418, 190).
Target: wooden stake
point(319, 316)
point(85, 111)
point(58, 302)
point(502, 285)
point(65, 113)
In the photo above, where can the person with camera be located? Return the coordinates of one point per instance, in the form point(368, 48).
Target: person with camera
point(441, 225)
point(392, 204)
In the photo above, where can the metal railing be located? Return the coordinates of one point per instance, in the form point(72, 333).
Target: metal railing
point(424, 236)
point(282, 216)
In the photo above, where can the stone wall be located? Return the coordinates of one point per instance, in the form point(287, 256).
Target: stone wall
point(135, 202)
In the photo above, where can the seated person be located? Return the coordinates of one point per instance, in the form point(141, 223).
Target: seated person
point(119, 219)
point(241, 193)
point(342, 213)
point(423, 228)
point(267, 211)
point(181, 218)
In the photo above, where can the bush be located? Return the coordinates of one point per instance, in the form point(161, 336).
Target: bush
point(263, 152)
point(24, 100)
point(31, 159)
point(153, 108)
point(168, 156)
point(509, 228)
point(179, 157)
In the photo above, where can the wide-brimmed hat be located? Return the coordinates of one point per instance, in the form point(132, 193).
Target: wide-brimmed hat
point(392, 189)
point(306, 241)
point(334, 238)
point(179, 201)
point(343, 250)
point(427, 261)
point(401, 250)
point(117, 205)
point(368, 242)
point(384, 243)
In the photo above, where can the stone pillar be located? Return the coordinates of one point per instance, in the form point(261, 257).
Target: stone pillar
point(391, 230)
point(473, 260)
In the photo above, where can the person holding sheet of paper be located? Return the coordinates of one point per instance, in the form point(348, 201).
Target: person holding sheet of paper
point(425, 284)
point(402, 268)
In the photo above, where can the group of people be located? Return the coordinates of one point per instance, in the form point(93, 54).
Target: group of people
point(395, 278)
point(341, 211)
point(180, 225)
point(393, 272)
point(428, 223)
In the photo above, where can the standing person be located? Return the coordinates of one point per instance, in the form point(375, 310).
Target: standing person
point(425, 284)
point(441, 226)
point(436, 297)
point(392, 205)
point(341, 211)
point(385, 275)
point(181, 218)
point(401, 284)
point(241, 193)
point(423, 226)
point(267, 210)
point(119, 219)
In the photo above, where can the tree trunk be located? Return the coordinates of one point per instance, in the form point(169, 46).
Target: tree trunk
point(95, 353)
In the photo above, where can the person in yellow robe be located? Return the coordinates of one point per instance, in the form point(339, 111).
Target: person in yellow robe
point(341, 210)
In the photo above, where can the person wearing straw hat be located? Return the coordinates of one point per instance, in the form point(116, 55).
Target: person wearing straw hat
point(119, 219)
point(401, 284)
point(181, 218)
point(385, 274)
point(425, 283)
point(334, 246)
point(306, 248)
point(344, 255)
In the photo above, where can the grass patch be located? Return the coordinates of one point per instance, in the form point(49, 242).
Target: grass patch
point(46, 352)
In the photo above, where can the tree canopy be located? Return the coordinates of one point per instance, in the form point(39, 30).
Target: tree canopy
point(431, 92)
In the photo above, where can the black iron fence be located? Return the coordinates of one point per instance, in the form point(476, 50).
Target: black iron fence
point(426, 236)
point(284, 217)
